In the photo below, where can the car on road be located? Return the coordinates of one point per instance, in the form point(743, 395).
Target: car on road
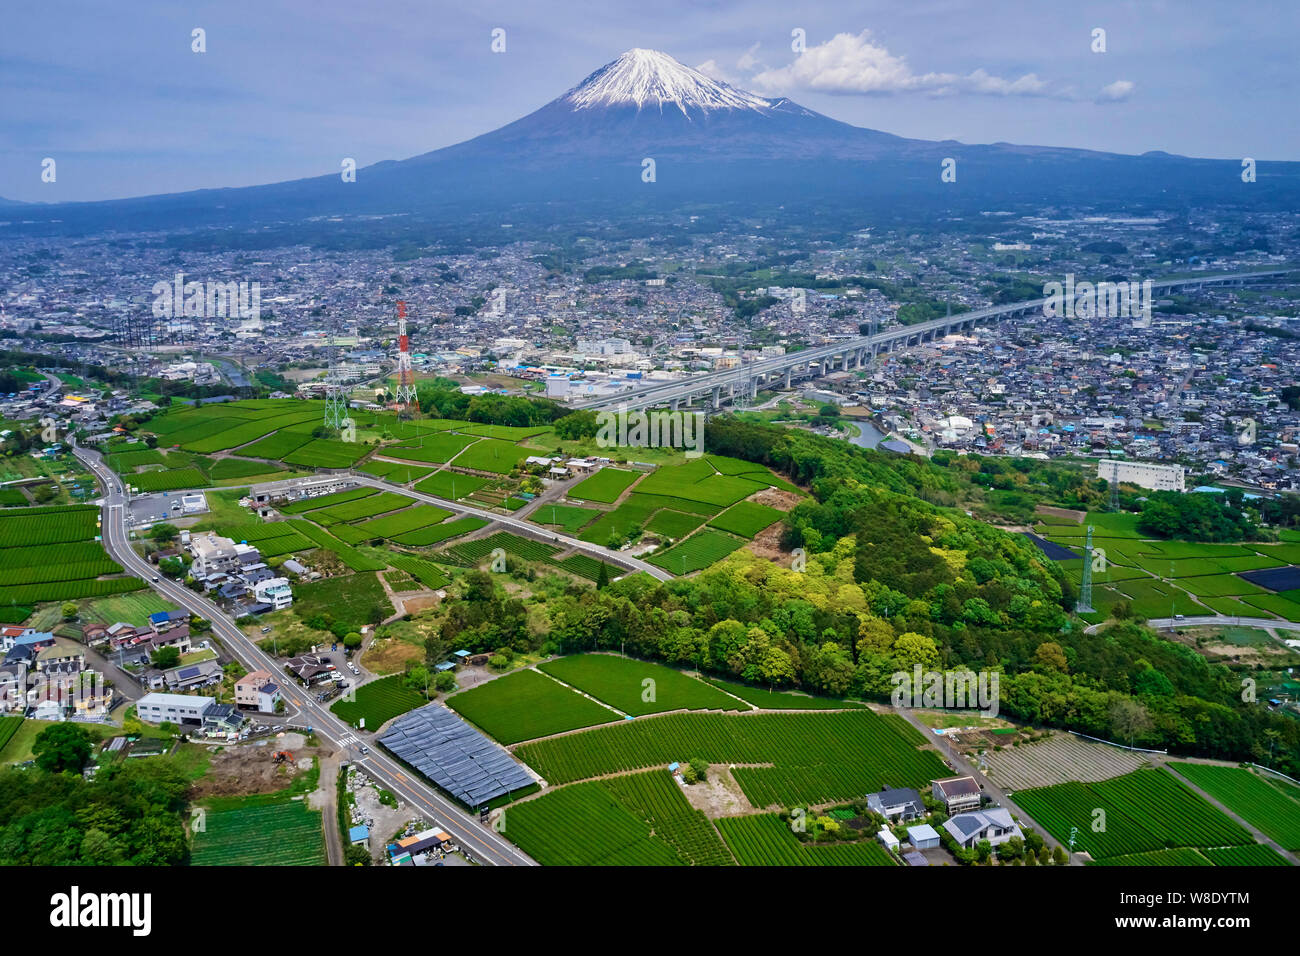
point(365, 749)
point(155, 577)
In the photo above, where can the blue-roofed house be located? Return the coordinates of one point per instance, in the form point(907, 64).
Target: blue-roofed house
point(359, 834)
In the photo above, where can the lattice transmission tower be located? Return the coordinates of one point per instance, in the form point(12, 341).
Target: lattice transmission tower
point(336, 396)
point(405, 394)
point(1085, 588)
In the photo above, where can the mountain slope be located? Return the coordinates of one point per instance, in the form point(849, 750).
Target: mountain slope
point(710, 142)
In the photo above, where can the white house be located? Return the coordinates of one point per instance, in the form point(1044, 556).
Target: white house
point(275, 592)
point(994, 824)
point(177, 708)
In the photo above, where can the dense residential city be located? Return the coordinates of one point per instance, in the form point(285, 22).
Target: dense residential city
point(679, 472)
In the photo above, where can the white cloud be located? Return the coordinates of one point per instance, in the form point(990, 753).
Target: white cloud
point(1116, 92)
point(855, 64)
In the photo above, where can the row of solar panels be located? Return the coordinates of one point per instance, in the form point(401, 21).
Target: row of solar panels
point(455, 756)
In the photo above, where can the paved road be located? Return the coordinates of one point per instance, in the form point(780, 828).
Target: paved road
point(518, 524)
point(962, 766)
point(1210, 620)
point(484, 844)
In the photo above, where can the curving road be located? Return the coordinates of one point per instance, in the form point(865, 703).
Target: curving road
point(482, 843)
point(518, 524)
point(1210, 620)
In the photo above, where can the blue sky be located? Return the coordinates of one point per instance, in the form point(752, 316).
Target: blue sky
point(287, 88)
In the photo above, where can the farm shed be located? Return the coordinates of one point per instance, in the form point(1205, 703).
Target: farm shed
point(923, 837)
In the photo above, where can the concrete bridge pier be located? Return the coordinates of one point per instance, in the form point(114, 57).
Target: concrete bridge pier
point(789, 376)
point(717, 396)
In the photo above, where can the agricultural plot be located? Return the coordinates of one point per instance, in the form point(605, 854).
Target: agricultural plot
point(277, 446)
point(389, 526)
point(509, 433)
point(1278, 604)
point(637, 687)
point(450, 485)
point(568, 517)
point(1059, 759)
point(1249, 796)
point(766, 699)
point(226, 469)
point(325, 501)
point(658, 799)
point(746, 518)
point(1144, 810)
point(8, 727)
point(351, 598)
point(378, 702)
point(46, 554)
point(604, 486)
point(426, 572)
point(526, 705)
point(765, 840)
point(350, 556)
point(438, 448)
point(587, 567)
point(673, 524)
point(472, 552)
point(1254, 855)
point(585, 825)
point(125, 462)
point(620, 522)
point(327, 453)
point(361, 508)
point(492, 455)
point(285, 833)
point(696, 552)
point(396, 471)
point(1178, 857)
point(247, 431)
point(817, 757)
point(171, 480)
point(435, 534)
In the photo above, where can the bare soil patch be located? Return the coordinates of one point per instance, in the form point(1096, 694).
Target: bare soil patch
point(720, 795)
point(767, 544)
point(251, 768)
point(776, 498)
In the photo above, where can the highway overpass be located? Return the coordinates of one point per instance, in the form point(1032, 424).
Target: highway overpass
point(716, 388)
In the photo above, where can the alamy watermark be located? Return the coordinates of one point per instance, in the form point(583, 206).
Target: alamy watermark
point(210, 300)
point(1099, 300)
point(951, 690)
point(652, 429)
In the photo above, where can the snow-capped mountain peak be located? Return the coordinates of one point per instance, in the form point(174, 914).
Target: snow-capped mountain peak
point(650, 79)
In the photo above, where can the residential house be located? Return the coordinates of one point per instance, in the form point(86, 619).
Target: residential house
point(177, 708)
point(13, 687)
point(901, 804)
point(957, 793)
point(190, 676)
point(222, 720)
point(257, 691)
point(309, 668)
point(994, 824)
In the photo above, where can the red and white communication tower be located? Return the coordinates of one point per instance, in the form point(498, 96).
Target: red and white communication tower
point(405, 374)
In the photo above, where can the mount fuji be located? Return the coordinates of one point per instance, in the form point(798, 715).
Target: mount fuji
point(710, 142)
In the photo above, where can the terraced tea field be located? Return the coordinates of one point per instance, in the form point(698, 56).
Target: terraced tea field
point(1253, 798)
point(604, 486)
point(697, 552)
point(285, 833)
point(1060, 758)
point(1144, 810)
point(766, 840)
point(378, 702)
point(818, 757)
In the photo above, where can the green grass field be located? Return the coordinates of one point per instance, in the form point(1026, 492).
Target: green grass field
point(350, 598)
point(525, 705)
point(435, 449)
point(637, 687)
point(781, 700)
point(170, 480)
point(492, 455)
point(378, 702)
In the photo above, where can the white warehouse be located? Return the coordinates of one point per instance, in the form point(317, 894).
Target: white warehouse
point(1143, 474)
